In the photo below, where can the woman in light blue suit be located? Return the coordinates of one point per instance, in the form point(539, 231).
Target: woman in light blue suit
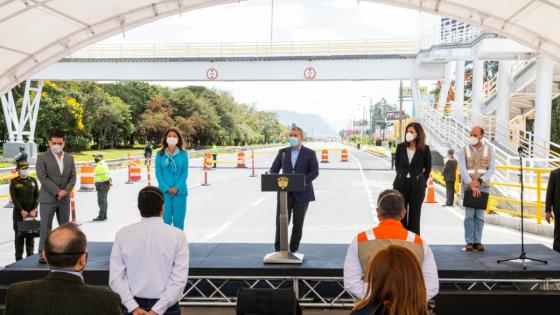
point(172, 169)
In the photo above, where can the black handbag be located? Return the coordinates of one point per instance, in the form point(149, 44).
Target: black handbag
point(30, 228)
point(469, 201)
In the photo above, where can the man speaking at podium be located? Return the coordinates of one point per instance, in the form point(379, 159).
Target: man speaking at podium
point(299, 160)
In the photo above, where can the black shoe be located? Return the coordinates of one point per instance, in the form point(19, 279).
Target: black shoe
point(42, 261)
point(100, 219)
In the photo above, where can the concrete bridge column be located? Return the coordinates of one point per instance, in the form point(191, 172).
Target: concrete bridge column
point(543, 102)
point(445, 84)
point(503, 89)
point(459, 89)
point(477, 91)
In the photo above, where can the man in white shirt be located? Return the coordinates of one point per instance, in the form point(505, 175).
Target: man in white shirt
point(149, 262)
point(390, 231)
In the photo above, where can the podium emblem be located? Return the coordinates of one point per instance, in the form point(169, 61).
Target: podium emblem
point(283, 182)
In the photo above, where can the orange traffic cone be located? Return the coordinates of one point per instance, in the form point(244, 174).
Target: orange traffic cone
point(325, 156)
point(241, 160)
point(344, 155)
point(430, 192)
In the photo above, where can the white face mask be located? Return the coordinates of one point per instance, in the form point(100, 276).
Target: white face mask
point(409, 137)
point(172, 142)
point(56, 148)
point(473, 141)
point(24, 173)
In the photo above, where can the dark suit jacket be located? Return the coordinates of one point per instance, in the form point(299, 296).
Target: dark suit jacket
point(553, 193)
point(60, 294)
point(306, 163)
point(419, 168)
point(50, 178)
point(450, 171)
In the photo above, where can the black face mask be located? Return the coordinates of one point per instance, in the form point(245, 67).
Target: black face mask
point(97, 160)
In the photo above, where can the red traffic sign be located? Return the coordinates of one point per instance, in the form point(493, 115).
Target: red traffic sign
point(309, 73)
point(212, 74)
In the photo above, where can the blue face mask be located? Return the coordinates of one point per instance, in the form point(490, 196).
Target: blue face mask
point(294, 141)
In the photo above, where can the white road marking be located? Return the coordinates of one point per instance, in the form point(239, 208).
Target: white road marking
point(372, 204)
point(226, 225)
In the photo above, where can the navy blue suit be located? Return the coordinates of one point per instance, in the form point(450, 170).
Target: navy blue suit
point(298, 202)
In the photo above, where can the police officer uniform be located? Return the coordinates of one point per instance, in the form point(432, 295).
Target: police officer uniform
point(24, 192)
point(102, 178)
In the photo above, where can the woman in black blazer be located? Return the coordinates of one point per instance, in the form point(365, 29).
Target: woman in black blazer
point(413, 163)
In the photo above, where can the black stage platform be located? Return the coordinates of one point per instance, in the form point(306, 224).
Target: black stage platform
point(218, 270)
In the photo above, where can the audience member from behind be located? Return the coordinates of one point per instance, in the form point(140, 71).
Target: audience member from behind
point(390, 231)
point(395, 285)
point(63, 290)
point(150, 260)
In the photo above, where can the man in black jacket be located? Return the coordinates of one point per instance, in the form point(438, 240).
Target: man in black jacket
point(450, 176)
point(301, 160)
point(552, 210)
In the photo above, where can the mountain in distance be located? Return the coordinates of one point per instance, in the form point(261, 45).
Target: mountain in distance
point(313, 124)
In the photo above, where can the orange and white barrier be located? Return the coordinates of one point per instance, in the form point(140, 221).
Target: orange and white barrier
point(430, 192)
point(87, 180)
point(208, 161)
point(73, 206)
point(325, 156)
point(241, 160)
point(344, 155)
point(253, 164)
point(149, 172)
point(135, 171)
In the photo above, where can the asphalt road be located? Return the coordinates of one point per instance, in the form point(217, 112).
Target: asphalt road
point(233, 209)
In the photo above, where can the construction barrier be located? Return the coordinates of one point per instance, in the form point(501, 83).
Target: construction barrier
point(430, 192)
point(87, 180)
point(344, 155)
point(135, 171)
point(129, 166)
point(241, 160)
point(149, 171)
point(208, 161)
point(73, 206)
point(253, 164)
point(325, 156)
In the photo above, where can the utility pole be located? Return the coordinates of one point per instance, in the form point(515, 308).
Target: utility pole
point(271, 19)
point(400, 109)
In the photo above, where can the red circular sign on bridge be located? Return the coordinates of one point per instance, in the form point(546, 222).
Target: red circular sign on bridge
point(309, 73)
point(212, 74)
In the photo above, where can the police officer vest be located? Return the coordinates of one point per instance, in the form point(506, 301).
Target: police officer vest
point(372, 241)
point(477, 160)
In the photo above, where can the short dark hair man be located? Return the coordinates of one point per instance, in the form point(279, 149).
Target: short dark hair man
point(63, 290)
point(296, 159)
point(149, 263)
point(450, 176)
point(390, 231)
point(56, 172)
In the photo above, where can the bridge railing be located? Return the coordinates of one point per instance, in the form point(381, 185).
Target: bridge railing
point(248, 49)
point(449, 32)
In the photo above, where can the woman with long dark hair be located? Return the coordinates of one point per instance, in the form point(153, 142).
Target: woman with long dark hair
point(172, 170)
point(395, 285)
point(413, 163)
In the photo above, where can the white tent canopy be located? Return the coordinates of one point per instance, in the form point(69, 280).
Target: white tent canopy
point(36, 33)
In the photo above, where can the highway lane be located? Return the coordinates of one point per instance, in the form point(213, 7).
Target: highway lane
point(233, 209)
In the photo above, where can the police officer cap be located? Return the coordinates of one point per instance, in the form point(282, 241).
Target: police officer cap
point(22, 165)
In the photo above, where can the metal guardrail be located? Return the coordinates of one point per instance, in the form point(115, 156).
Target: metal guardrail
point(449, 32)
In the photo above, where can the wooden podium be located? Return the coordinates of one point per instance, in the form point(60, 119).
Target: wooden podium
point(283, 183)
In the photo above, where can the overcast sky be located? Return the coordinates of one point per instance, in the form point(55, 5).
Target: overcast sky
point(294, 20)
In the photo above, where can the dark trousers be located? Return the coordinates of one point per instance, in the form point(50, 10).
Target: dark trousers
point(413, 199)
point(147, 304)
point(392, 160)
point(450, 192)
point(299, 209)
point(556, 243)
point(102, 192)
point(19, 242)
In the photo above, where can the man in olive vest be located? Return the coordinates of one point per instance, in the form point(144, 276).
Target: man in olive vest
point(102, 176)
point(390, 231)
point(477, 163)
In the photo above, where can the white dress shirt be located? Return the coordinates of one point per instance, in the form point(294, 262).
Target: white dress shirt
point(353, 273)
point(149, 260)
point(60, 161)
